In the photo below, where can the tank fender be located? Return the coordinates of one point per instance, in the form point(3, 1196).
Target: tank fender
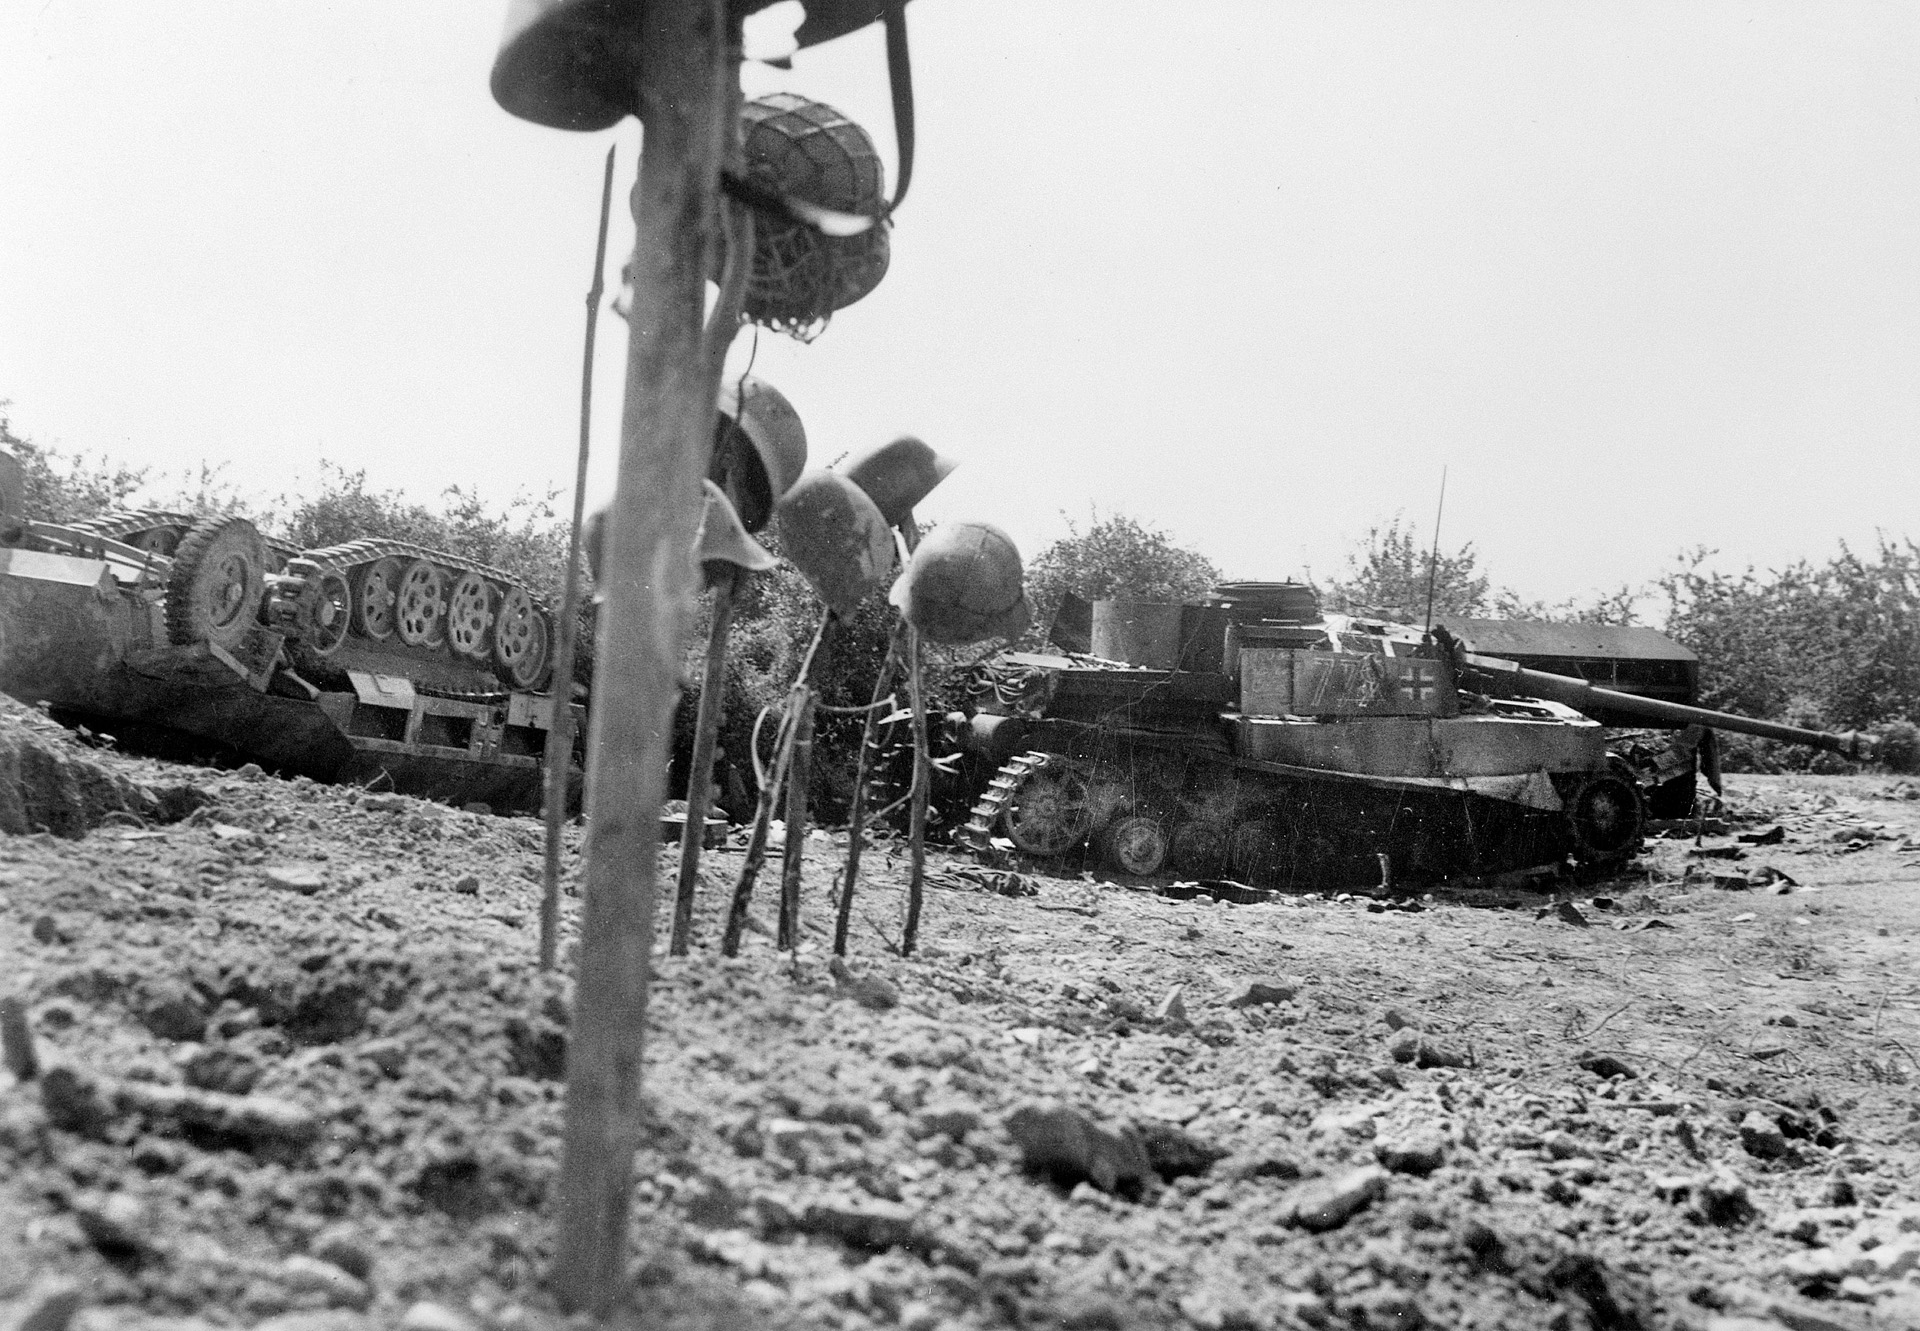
point(996, 738)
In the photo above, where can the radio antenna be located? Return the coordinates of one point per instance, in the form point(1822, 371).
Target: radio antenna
point(1433, 560)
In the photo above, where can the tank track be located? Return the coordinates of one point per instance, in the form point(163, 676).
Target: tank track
point(122, 524)
point(976, 834)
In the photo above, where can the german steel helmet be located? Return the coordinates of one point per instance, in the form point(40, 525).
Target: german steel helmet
point(836, 538)
point(807, 150)
point(897, 476)
point(722, 540)
point(575, 64)
point(760, 476)
point(964, 584)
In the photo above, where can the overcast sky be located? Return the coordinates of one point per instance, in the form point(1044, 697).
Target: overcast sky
point(1643, 276)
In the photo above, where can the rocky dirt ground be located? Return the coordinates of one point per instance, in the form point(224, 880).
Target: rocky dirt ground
point(297, 1067)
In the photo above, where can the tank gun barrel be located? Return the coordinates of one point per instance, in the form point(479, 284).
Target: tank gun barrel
point(1511, 677)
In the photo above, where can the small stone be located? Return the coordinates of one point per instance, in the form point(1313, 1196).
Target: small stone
point(861, 1223)
point(1389, 1310)
point(310, 1275)
point(1723, 1198)
point(477, 806)
point(1563, 1146)
point(306, 879)
point(873, 992)
point(45, 929)
point(1606, 1065)
point(1397, 1020)
point(114, 1222)
point(173, 1010)
point(341, 1245)
point(467, 885)
point(1264, 993)
point(250, 772)
point(218, 1069)
point(850, 1113)
point(49, 1306)
point(1418, 1152)
point(388, 1055)
point(1259, 1162)
point(1069, 1146)
point(1409, 1046)
point(1761, 1137)
point(1173, 1152)
point(948, 1120)
point(424, 1316)
point(1328, 1203)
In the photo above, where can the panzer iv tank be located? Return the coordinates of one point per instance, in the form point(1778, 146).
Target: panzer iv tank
point(1251, 737)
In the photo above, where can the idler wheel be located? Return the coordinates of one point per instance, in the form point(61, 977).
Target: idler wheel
point(521, 641)
point(470, 616)
point(1605, 818)
point(376, 588)
point(1253, 853)
point(332, 613)
point(1136, 844)
point(421, 614)
point(1050, 811)
point(1200, 850)
point(218, 580)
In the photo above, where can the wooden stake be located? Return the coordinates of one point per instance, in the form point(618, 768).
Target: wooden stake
point(689, 107)
point(559, 758)
point(769, 794)
point(706, 731)
point(857, 816)
point(799, 789)
point(922, 771)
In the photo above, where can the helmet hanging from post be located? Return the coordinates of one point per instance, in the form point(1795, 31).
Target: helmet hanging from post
point(835, 536)
point(964, 584)
point(898, 475)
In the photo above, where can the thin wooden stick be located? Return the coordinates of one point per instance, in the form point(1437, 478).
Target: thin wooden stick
point(799, 791)
point(706, 731)
point(559, 758)
point(689, 106)
point(922, 772)
point(857, 815)
point(769, 795)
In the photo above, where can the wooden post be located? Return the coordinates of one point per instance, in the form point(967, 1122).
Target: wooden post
point(559, 757)
point(857, 816)
point(688, 96)
point(706, 731)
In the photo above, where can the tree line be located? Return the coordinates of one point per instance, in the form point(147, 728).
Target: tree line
point(1833, 645)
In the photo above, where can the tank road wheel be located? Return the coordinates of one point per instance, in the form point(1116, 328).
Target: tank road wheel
point(521, 640)
point(332, 612)
point(1135, 844)
point(421, 612)
point(218, 579)
point(1050, 811)
point(1604, 819)
point(375, 590)
point(1253, 853)
point(1200, 850)
point(470, 616)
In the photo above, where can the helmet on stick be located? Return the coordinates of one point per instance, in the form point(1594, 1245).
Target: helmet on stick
point(898, 475)
point(964, 584)
point(836, 538)
point(775, 449)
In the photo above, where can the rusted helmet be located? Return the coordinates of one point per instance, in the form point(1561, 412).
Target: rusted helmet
point(761, 473)
point(898, 475)
point(722, 540)
point(575, 64)
point(964, 584)
point(836, 538)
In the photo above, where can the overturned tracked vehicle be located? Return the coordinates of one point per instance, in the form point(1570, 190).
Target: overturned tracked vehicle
point(376, 662)
point(1250, 737)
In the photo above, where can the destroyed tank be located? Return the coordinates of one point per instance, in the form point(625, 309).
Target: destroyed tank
point(1253, 738)
point(374, 661)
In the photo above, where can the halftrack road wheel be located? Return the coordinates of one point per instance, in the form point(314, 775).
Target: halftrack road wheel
point(421, 612)
point(1134, 844)
point(376, 588)
point(1604, 819)
point(332, 613)
point(218, 578)
point(522, 641)
point(1050, 810)
point(470, 616)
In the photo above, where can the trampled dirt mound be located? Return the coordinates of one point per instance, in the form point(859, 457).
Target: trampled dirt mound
point(296, 1055)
